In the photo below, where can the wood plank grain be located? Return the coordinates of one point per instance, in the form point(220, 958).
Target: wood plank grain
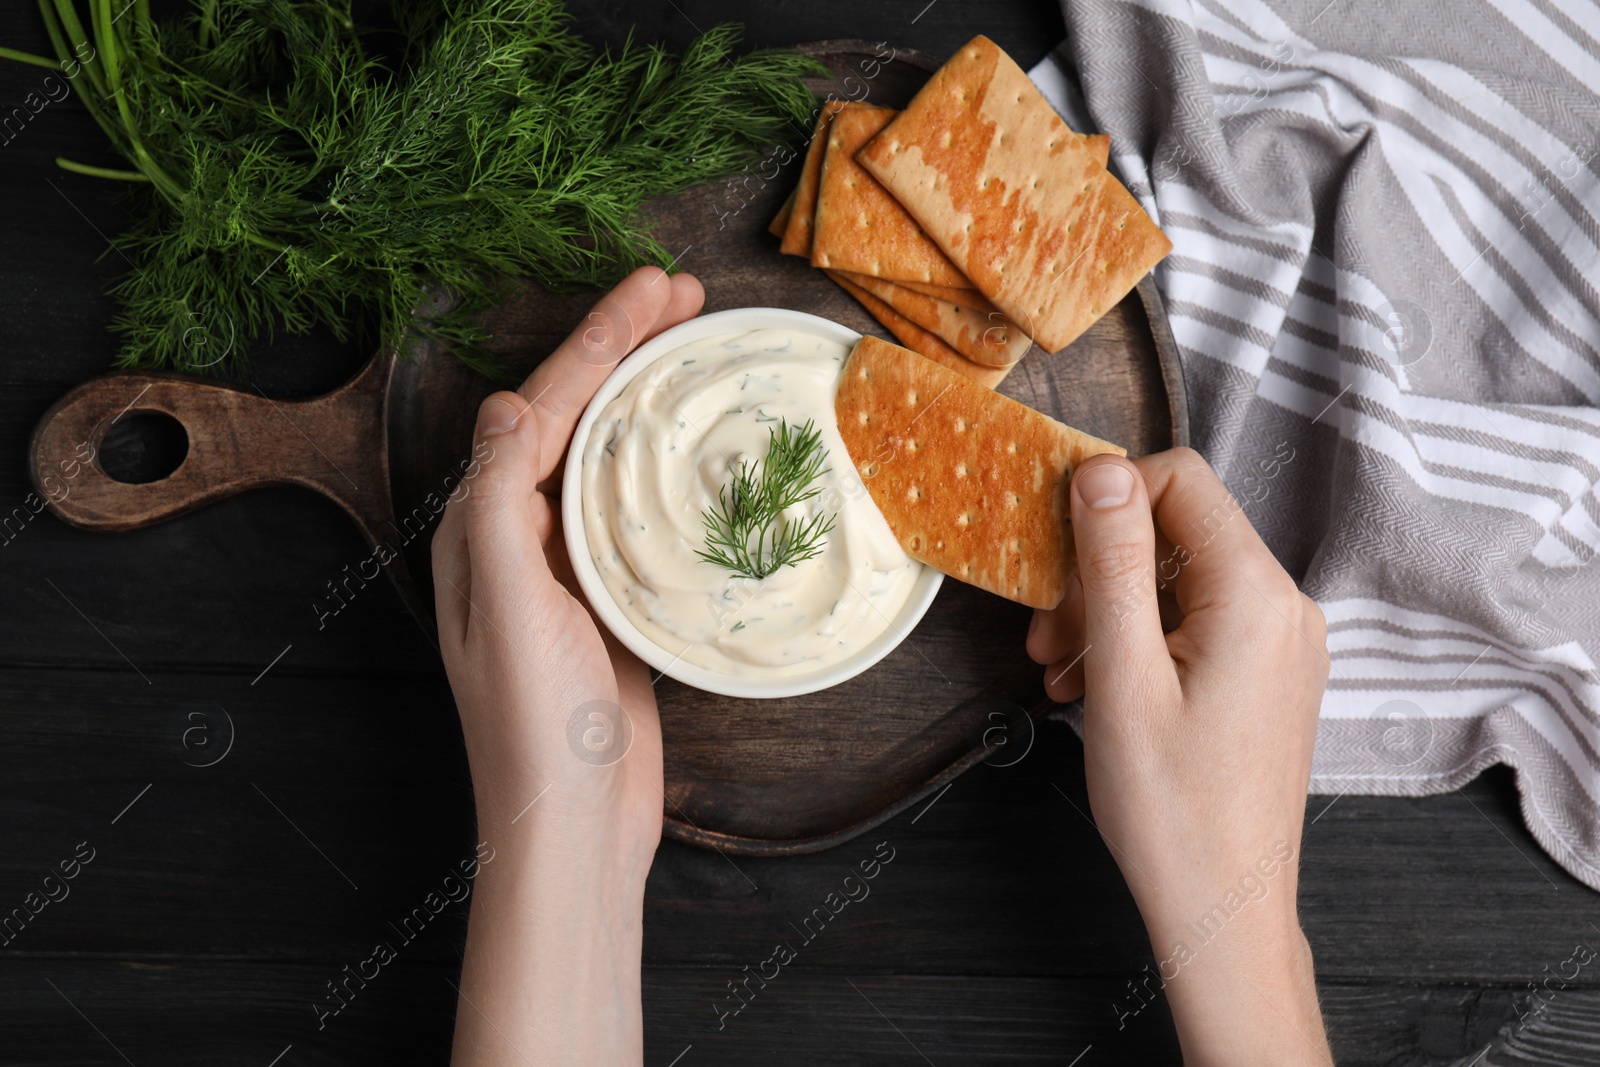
point(1001, 874)
point(291, 817)
point(68, 1012)
point(227, 587)
point(177, 1011)
point(1026, 29)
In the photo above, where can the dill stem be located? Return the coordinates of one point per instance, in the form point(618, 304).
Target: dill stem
point(71, 29)
point(106, 35)
point(30, 59)
point(257, 239)
point(58, 28)
point(102, 172)
point(208, 16)
point(438, 201)
point(53, 29)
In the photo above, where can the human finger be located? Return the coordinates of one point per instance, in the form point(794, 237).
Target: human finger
point(1124, 650)
point(562, 385)
point(452, 574)
point(502, 530)
point(1217, 557)
point(688, 297)
point(1064, 679)
point(1054, 630)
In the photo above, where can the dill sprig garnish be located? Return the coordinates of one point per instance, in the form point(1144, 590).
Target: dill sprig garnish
point(746, 532)
point(284, 174)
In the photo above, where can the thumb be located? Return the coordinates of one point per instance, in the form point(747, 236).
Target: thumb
point(1124, 649)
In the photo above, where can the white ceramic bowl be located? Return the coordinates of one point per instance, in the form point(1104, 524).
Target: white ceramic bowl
point(738, 320)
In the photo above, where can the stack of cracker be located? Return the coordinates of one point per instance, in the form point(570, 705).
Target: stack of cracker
point(972, 211)
point(848, 224)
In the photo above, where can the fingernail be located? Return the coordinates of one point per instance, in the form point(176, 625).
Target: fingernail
point(1106, 486)
point(496, 417)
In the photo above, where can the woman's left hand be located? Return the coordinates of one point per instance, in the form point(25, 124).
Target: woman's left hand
point(551, 705)
point(559, 720)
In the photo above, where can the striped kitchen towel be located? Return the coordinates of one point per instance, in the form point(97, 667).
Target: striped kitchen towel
point(1386, 233)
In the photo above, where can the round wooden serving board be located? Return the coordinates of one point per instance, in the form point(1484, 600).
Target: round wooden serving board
point(748, 777)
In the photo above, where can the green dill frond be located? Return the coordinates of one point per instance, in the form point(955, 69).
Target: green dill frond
point(294, 180)
point(746, 532)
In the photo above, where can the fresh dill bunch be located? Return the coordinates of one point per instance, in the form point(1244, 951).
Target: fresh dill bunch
point(282, 174)
point(746, 531)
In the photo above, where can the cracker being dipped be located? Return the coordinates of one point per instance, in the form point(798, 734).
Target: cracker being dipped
point(971, 482)
point(1099, 144)
point(1018, 201)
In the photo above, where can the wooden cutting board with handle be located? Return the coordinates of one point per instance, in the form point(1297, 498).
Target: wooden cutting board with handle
point(748, 777)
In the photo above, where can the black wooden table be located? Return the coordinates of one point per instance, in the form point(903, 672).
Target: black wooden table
point(264, 800)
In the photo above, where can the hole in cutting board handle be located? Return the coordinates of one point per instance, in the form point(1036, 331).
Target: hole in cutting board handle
point(142, 447)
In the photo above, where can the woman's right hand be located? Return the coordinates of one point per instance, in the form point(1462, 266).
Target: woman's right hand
point(1197, 742)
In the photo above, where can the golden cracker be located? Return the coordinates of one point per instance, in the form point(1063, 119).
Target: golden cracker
point(1018, 201)
point(971, 482)
point(918, 340)
point(797, 234)
point(859, 227)
point(988, 338)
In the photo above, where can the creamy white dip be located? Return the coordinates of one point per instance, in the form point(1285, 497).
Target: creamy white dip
point(655, 461)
